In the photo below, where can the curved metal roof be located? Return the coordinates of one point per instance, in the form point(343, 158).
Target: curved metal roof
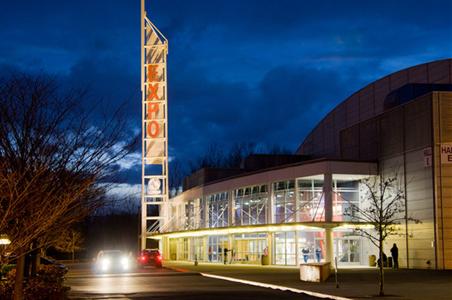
point(367, 103)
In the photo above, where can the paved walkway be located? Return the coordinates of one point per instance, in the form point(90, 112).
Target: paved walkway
point(353, 283)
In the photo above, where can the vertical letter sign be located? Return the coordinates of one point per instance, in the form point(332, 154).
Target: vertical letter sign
point(154, 195)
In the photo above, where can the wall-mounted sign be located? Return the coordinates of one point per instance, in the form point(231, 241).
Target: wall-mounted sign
point(428, 157)
point(446, 154)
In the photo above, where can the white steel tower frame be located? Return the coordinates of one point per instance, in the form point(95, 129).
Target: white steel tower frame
point(154, 160)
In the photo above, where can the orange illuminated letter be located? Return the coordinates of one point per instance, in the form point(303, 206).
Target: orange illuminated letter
point(153, 129)
point(152, 73)
point(152, 92)
point(153, 107)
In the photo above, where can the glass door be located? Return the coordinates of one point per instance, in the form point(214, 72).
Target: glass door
point(284, 248)
point(348, 250)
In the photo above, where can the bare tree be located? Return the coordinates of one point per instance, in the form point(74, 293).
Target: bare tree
point(217, 156)
point(52, 155)
point(383, 207)
point(71, 241)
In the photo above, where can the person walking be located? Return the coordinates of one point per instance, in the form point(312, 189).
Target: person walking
point(225, 255)
point(395, 256)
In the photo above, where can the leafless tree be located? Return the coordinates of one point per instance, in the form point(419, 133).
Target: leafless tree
point(218, 156)
point(383, 207)
point(71, 241)
point(52, 156)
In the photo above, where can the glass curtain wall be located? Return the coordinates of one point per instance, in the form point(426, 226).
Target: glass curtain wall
point(311, 246)
point(348, 247)
point(182, 248)
point(345, 200)
point(311, 200)
point(249, 248)
point(216, 248)
point(284, 248)
point(189, 215)
point(198, 245)
point(284, 201)
point(251, 205)
point(217, 205)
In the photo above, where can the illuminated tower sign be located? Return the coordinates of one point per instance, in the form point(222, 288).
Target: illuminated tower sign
point(154, 181)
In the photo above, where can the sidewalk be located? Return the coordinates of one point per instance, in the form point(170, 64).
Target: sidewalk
point(353, 283)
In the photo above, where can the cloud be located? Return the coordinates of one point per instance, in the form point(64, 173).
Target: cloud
point(262, 71)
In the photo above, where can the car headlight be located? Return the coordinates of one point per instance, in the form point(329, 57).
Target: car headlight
point(125, 262)
point(105, 263)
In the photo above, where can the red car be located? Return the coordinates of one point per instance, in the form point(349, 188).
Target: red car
point(150, 257)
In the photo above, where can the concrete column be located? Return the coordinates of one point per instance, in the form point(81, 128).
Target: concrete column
point(297, 204)
point(329, 246)
point(231, 208)
point(166, 248)
point(328, 196)
point(270, 247)
point(297, 262)
point(230, 247)
point(206, 213)
point(270, 204)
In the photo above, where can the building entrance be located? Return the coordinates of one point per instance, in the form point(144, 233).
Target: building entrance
point(248, 248)
point(348, 250)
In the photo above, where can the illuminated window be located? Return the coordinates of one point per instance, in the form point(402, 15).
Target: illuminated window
point(217, 206)
point(311, 200)
point(345, 199)
point(251, 205)
point(284, 201)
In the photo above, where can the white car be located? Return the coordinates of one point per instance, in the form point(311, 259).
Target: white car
point(108, 261)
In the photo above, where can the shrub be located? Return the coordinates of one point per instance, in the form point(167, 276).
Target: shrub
point(46, 285)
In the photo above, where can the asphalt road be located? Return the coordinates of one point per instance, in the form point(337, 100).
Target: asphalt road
point(152, 283)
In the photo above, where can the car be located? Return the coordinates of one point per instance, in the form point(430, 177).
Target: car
point(108, 261)
point(50, 261)
point(150, 257)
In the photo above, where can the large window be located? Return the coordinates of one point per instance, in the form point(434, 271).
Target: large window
point(217, 247)
point(284, 201)
point(249, 248)
point(251, 205)
point(189, 215)
point(311, 205)
point(345, 199)
point(348, 247)
point(198, 248)
point(311, 246)
point(217, 205)
point(284, 248)
point(182, 248)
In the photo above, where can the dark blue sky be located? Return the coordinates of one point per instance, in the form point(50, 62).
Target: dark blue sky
point(261, 71)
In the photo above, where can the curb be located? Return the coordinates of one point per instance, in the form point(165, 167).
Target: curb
point(275, 287)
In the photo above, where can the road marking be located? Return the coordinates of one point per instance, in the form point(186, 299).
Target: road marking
point(275, 287)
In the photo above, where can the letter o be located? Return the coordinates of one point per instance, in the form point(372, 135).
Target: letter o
point(153, 129)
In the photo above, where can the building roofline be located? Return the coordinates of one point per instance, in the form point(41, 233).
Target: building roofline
point(307, 162)
point(361, 90)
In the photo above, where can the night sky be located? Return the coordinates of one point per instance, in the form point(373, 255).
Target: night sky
point(260, 71)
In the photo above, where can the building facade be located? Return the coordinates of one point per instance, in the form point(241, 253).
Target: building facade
point(296, 212)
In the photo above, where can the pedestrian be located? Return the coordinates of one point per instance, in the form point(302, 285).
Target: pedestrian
point(318, 254)
point(305, 252)
point(395, 256)
point(225, 255)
